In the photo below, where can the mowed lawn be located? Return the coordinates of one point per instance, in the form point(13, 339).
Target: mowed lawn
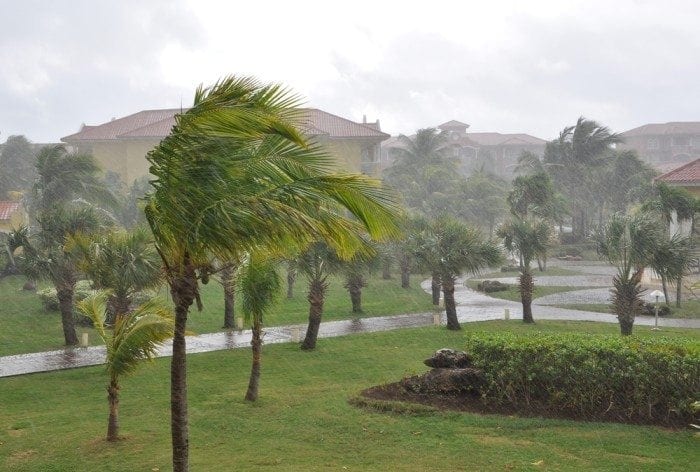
point(57, 421)
point(26, 327)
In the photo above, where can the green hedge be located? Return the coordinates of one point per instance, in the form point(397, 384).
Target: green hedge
point(590, 377)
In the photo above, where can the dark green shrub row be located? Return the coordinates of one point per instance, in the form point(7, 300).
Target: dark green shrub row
point(590, 377)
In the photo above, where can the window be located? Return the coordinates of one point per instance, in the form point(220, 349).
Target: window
point(653, 143)
point(680, 141)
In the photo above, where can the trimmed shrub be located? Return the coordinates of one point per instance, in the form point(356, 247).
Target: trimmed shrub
point(490, 286)
point(590, 377)
point(49, 298)
point(648, 309)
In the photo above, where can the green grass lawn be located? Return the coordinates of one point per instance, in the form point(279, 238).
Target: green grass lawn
point(688, 309)
point(513, 294)
point(551, 271)
point(26, 327)
point(57, 421)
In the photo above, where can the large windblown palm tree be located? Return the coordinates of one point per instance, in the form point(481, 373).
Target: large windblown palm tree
point(234, 176)
point(134, 337)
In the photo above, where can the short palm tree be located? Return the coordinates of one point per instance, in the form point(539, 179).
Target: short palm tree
point(260, 286)
point(135, 337)
point(529, 237)
point(125, 263)
point(629, 242)
point(316, 263)
point(451, 248)
point(236, 176)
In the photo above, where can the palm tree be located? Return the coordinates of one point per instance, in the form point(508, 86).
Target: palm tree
point(451, 248)
point(528, 237)
point(572, 159)
point(135, 337)
point(54, 254)
point(629, 243)
point(671, 259)
point(316, 263)
point(260, 285)
point(235, 175)
point(125, 263)
point(355, 271)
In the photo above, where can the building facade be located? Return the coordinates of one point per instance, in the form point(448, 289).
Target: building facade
point(121, 145)
point(664, 146)
point(495, 152)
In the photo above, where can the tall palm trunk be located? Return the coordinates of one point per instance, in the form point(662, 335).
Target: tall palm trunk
point(664, 287)
point(227, 283)
point(435, 288)
point(448, 290)
point(256, 343)
point(65, 305)
point(316, 297)
point(405, 265)
point(386, 269)
point(183, 290)
point(291, 278)
point(526, 288)
point(355, 283)
point(679, 288)
point(113, 422)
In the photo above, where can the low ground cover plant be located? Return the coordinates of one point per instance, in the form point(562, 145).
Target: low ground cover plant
point(590, 377)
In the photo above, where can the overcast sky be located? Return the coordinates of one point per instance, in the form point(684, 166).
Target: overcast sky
point(508, 66)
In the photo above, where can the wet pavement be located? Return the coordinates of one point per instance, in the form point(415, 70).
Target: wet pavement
point(472, 306)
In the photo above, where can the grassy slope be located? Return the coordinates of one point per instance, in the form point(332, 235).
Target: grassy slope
point(26, 327)
point(689, 308)
point(513, 294)
point(303, 420)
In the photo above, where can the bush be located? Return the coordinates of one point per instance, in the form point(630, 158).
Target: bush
point(49, 299)
point(649, 310)
point(590, 377)
point(490, 286)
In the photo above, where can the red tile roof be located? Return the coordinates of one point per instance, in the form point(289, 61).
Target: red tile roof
point(7, 209)
point(673, 127)
point(499, 139)
point(453, 124)
point(687, 174)
point(158, 123)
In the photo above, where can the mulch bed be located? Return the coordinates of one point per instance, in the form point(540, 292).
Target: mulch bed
point(466, 402)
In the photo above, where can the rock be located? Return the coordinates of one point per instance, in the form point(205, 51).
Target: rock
point(445, 381)
point(29, 285)
point(449, 358)
point(488, 286)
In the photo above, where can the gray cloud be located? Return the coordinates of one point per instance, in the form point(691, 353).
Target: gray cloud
point(85, 63)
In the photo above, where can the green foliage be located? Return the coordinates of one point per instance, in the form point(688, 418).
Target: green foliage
point(17, 160)
point(591, 377)
point(49, 299)
point(260, 286)
point(134, 337)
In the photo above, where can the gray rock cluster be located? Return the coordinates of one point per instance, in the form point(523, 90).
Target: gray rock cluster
point(451, 372)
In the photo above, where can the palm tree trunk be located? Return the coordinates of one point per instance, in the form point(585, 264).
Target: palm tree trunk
point(626, 301)
point(354, 287)
point(291, 278)
point(256, 343)
point(435, 288)
point(113, 422)
point(405, 265)
point(65, 305)
point(679, 288)
point(229, 298)
point(183, 290)
point(386, 269)
point(664, 287)
point(316, 297)
point(448, 290)
point(526, 288)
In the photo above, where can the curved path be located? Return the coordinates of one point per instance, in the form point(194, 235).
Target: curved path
point(471, 306)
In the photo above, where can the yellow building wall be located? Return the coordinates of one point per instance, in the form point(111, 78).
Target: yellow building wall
point(17, 219)
point(128, 157)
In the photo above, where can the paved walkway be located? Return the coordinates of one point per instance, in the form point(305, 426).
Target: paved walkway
point(472, 306)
